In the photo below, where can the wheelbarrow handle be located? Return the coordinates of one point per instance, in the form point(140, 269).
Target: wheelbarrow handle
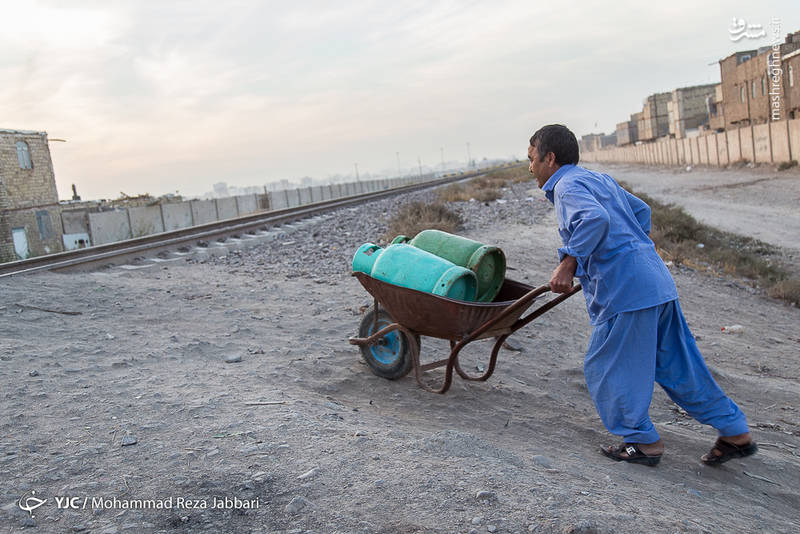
point(549, 305)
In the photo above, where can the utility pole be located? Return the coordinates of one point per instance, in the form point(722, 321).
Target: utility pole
point(469, 157)
point(441, 149)
point(419, 162)
point(357, 180)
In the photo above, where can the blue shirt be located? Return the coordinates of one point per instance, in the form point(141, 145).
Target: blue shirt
point(606, 229)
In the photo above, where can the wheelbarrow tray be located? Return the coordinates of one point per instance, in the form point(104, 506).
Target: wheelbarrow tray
point(445, 318)
point(414, 313)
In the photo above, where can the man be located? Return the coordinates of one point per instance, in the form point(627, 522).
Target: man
point(640, 335)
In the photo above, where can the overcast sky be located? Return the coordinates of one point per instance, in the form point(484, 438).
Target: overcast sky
point(159, 96)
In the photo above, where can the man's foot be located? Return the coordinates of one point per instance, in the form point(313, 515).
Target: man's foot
point(635, 453)
point(729, 447)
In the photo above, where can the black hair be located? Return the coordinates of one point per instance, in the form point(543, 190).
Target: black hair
point(559, 140)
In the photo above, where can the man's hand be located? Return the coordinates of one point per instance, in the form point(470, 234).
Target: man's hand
point(561, 281)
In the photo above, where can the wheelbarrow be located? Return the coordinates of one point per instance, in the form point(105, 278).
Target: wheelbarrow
point(389, 333)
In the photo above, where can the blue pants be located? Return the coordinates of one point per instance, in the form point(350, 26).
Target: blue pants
point(630, 351)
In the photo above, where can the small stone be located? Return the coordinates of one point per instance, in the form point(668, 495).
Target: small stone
point(233, 358)
point(695, 492)
point(485, 495)
point(78, 528)
point(129, 439)
point(584, 527)
point(33, 373)
point(308, 474)
point(28, 522)
point(109, 337)
point(544, 461)
point(379, 483)
point(477, 520)
point(296, 504)
point(491, 528)
point(261, 476)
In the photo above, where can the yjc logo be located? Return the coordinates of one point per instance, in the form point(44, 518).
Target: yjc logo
point(30, 502)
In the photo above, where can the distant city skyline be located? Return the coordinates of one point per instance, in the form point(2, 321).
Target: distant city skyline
point(178, 96)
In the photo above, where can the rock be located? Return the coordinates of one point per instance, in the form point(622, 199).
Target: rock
point(308, 474)
point(33, 373)
point(296, 504)
point(233, 358)
point(491, 528)
point(486, 496)
point(129, 439)
point(27, 522)
point(477, 520)
point(544, 461)
point(584, 527)
point(695, 492)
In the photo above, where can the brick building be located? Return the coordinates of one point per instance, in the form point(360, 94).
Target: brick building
point(628, 131)
point(758, 85)
point(654, 120)
point(30, 221)
point(688, 108)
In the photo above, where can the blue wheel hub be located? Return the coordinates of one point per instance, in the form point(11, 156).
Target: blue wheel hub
point(388, 349)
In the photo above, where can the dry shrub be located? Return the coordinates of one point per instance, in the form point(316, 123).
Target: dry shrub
point(455, 193)
point(788, 290)
point(484, 188)
point(681, 238)
point(414, 217)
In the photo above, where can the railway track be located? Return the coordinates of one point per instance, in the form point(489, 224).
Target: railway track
point(181, 241)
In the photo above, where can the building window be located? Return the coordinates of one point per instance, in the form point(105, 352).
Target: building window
point(24, 155)
point(741, 93)
point(753, 89)
point(45, 224)
point(791, 76)
point(763, 85)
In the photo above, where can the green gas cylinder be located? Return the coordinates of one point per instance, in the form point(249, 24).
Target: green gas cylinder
point(486, 261)
point(412, 267)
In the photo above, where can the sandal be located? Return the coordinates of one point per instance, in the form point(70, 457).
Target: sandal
point(728, 451)
point(633, 454)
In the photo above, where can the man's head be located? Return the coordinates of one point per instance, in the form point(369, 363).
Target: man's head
point(551, 147)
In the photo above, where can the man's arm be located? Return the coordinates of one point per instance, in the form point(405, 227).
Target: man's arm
point(584, 225)
point(561, 281)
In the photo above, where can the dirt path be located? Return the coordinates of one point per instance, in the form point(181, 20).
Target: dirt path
point(763, 203)
point(133, 399)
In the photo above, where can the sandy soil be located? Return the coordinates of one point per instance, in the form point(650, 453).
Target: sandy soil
point(133, 399)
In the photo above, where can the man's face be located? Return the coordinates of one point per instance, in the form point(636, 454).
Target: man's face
point(539, 169)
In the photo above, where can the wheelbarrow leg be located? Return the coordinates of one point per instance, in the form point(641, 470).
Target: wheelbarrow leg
point(492, 362)
point(448, 373)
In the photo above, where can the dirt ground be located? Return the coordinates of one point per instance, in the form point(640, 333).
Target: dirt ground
point(133, 399)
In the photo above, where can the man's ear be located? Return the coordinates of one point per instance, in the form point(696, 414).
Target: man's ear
point(550, 159)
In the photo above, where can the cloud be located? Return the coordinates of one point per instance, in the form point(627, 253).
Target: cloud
point(179, 95)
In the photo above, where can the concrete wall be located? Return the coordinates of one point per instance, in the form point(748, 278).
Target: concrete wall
point(177, 215)
point(203, 211)
point(773, 142)
point(246, 204)
point(146, 220)
point(779, 135)
point(226, 208)
point(746, 141)
point(794, 137)
point(762, 143)
point(75, 222)
point(109, 226)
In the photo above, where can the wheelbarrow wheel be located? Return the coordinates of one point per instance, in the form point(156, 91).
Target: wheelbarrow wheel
point(390, 357)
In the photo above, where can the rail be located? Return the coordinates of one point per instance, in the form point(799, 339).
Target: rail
point(205, 232)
